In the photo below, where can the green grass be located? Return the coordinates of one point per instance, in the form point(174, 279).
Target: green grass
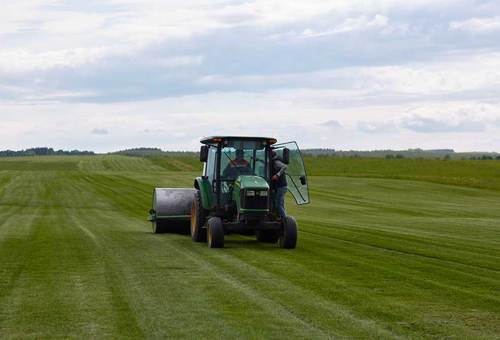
point(377, 257)
point(179, 163)
point(478, 174)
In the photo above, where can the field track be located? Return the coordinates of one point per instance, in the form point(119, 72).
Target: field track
point(376, 258)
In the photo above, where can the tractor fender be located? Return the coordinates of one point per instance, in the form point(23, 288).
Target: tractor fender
point(205, 189)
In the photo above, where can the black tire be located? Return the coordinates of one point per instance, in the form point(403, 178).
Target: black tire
point(159, 227)
point(215, 233)
point(267, 236)
point(288, 239)
point(198, 233)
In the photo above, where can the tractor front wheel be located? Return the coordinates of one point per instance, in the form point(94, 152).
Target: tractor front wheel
point(288, 239)
point(198, 233)
point(215, 233)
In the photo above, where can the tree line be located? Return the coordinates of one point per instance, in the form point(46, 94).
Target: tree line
point(44, 152)
point(444, 154)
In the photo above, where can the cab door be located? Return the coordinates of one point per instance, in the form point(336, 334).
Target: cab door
point(296, 173)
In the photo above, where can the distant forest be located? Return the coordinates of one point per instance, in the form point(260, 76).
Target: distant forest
point(444, 154)
point(43, 152)
point(143, 152)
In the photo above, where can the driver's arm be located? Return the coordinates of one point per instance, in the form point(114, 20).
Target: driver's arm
point(282, 167)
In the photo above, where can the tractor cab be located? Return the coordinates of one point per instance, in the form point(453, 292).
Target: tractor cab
point(238, 169)
point(236, 166)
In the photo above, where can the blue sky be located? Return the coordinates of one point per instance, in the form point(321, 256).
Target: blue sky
point(107, 75)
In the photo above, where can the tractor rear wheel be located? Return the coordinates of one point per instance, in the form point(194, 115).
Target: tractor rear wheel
point(198, 233)
point(289, 238)
point(215, 233)
point(267, 236)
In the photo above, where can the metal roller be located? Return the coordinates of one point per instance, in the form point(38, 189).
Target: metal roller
point(171, 209)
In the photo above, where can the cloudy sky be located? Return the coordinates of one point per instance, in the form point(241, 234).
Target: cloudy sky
point(108, 75)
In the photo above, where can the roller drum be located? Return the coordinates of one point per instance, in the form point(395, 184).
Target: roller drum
point(171, 209)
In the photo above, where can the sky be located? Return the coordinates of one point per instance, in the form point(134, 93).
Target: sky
point(110, 75)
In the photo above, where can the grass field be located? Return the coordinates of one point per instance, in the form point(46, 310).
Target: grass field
point(377, 257)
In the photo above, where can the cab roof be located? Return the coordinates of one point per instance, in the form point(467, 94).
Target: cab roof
point(217, 139)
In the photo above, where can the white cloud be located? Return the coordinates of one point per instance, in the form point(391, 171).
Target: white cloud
point(377, 127)
point(361, 23)
point(16, 61)
point(180, 61)
point(97, 131)
point(333, 124)
point(18, 15)
point(477, 25)
point(442, 125)
point(453, 74)
point(21, 60)
point(60, 35)
point(70, 23)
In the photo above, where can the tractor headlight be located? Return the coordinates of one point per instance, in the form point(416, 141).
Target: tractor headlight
point(263, 193)
point(250, 193)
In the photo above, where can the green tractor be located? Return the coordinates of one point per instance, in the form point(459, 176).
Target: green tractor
point(232, 199)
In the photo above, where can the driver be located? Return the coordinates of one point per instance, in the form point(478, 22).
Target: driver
point(237, 166)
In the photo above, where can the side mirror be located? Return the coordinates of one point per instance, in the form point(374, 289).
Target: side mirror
point(303, 180)
point(204, 153)
point(286, 156)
